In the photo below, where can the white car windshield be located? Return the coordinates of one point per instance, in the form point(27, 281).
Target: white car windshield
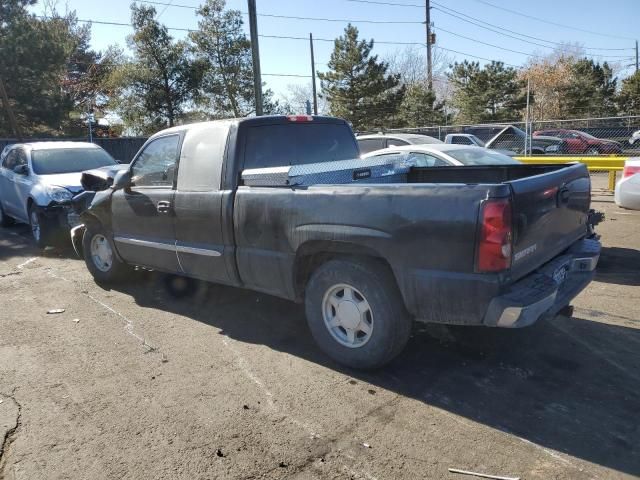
point(68, 160)
point(480, 156)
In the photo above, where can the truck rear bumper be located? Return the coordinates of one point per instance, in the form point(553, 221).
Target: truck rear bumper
point(545, 292)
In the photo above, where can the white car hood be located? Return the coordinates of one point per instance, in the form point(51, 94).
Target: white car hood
point(70, 181)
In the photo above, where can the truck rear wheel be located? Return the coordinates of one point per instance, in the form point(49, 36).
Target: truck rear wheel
point(356, 313)
point(100, 256)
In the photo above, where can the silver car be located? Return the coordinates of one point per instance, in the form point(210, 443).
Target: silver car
point(38, 180)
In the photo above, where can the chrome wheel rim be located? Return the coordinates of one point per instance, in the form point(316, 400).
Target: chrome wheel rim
point(347, 315)
point(35, 226)
point(101, 253)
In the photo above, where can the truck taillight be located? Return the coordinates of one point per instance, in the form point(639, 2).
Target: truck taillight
point(629, 170)
point(494, 245)
point(300, 118)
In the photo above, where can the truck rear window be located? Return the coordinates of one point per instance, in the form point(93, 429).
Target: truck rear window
point(298, 144)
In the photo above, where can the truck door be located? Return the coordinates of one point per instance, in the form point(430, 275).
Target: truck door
point(143, 214)
point(202, 211)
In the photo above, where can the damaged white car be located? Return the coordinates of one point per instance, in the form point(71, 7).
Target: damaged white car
point(38, 180)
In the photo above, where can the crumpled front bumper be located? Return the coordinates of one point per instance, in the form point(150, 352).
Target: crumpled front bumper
point(545, 292)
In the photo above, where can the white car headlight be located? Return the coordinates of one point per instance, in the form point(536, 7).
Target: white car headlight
point(59, 194)
point(552, 148)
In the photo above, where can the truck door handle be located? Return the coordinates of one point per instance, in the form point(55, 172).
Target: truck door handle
point(163, 206)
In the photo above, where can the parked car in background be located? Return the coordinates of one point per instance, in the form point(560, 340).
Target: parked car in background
point(369, 143)
point(635, 138)
point(469, 139)
point(510, 137)
point(38, 180)
point(627, 192)
point(443, 155)
point(463, 139)
point(577, 142)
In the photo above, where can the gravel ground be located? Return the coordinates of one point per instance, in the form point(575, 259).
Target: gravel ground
point(133, 383)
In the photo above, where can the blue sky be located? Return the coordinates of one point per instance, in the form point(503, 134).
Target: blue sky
point(598, 25)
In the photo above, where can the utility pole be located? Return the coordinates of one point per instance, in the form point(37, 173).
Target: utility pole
point(7, 108)
point(255, 54)
point(527, 126)
point(313, 76)
point(429, 66)
point(636, 56)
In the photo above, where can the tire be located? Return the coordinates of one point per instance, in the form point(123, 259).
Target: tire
point(100, 257)
point(5, 221)
point(382, 329)
point(41, 229)
point(592, 151)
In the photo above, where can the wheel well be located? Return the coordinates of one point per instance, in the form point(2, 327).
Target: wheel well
point(310, 256)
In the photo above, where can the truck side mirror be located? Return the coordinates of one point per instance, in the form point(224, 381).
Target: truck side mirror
point(122, 180)
point(21, 169)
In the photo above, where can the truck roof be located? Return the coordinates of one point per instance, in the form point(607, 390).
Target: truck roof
point(263, 120)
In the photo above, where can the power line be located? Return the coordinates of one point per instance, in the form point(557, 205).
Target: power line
point(387, 3)
point(283, 37)
point(475, 56)
point(477, 22)
point(552, 23)
point(290, 17)
point(518, 51)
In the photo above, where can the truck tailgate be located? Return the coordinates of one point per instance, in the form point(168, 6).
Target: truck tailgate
point(549, 214)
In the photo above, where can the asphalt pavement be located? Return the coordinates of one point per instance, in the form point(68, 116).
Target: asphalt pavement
point(134, 383)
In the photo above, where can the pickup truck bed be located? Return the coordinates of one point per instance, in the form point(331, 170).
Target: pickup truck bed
point(497, 246)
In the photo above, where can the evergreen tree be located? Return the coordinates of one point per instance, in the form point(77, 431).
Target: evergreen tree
point(358, 87)
point(419, 107)
point(33, 59)
point(225, 51)
point(629, 97)
point(591, 90)
point(491, 93)
point(154, 89)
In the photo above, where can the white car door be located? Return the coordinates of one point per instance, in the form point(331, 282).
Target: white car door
point(14, 188)
point(7, 187)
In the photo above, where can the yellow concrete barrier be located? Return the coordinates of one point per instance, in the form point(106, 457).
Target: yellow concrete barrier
point(611, 164)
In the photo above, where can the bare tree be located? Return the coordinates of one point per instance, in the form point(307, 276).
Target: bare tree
point(297, 96)
point(411, 64)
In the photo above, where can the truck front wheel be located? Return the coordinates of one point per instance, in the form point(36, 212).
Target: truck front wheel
point(356, 313)
point(100, 256)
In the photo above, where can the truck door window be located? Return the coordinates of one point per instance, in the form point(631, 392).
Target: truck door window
point(156, 165)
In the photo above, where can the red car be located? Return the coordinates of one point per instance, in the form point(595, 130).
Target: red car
point(581, 142)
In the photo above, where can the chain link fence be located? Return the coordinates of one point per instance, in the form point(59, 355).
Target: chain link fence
point(584, 137)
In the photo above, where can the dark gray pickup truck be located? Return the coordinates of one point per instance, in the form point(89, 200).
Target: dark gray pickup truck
point(283, 205)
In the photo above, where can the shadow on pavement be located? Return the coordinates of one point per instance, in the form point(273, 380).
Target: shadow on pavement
point(619, 265)
point(571, 384)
